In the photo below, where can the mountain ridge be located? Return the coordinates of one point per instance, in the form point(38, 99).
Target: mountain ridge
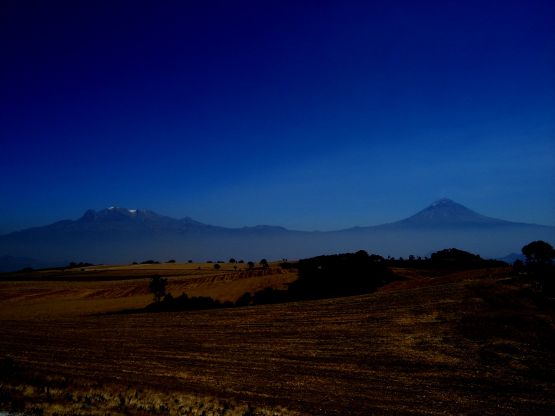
point(448, 212)
point(443, 211)
point(119, 235)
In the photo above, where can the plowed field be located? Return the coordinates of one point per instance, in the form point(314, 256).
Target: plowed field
point(466, 343)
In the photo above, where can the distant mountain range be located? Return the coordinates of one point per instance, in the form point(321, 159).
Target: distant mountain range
point(120, 235)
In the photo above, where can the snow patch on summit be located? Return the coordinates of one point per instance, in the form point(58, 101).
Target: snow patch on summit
point(442, 201)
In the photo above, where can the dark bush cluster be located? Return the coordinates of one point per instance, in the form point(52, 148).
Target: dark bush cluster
point(264, 297)
point(150, 262)
point(74, 265)
point(454, 255)
point(539, 265)
point(186, 303)
point(340, 275)
point(448, 259)
point(194, 303)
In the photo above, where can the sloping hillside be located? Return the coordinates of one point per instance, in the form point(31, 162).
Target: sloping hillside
point(474, 342)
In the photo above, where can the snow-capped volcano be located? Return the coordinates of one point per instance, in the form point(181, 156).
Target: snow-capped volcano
point(131, 211)
point(121, 214)
point(447, 212)
point(116, 235)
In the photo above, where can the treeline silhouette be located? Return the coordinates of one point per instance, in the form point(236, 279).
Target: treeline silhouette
point(450, 258)
point(340, 275)
point(347, 274)
point(319, 277)
point(539, 265)
point(195, 303)
point(186, 303)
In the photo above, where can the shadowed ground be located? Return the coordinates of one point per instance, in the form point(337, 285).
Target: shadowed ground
point(474, 342)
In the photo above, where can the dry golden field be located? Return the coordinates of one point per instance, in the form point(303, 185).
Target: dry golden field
point(99, 289)
point(474, 342)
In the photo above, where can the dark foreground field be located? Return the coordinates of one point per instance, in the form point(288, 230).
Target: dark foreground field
point(477, 342)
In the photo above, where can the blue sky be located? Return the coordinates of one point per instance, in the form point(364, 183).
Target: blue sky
point(306, 114)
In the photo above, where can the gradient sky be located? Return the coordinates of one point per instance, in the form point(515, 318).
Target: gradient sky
point(306, 114)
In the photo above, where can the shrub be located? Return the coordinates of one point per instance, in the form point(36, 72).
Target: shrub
point(538, 253)
point(340, 274)
point(244, 300)
point(157, 287)
point(539, 264)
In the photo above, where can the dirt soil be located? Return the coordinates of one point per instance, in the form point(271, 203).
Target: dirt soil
point(476, 342)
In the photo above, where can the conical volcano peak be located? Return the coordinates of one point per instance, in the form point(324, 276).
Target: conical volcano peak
point(443, 202)
point(448, 212)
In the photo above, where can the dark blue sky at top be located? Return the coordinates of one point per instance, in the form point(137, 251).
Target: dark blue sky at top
point(311, 115)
